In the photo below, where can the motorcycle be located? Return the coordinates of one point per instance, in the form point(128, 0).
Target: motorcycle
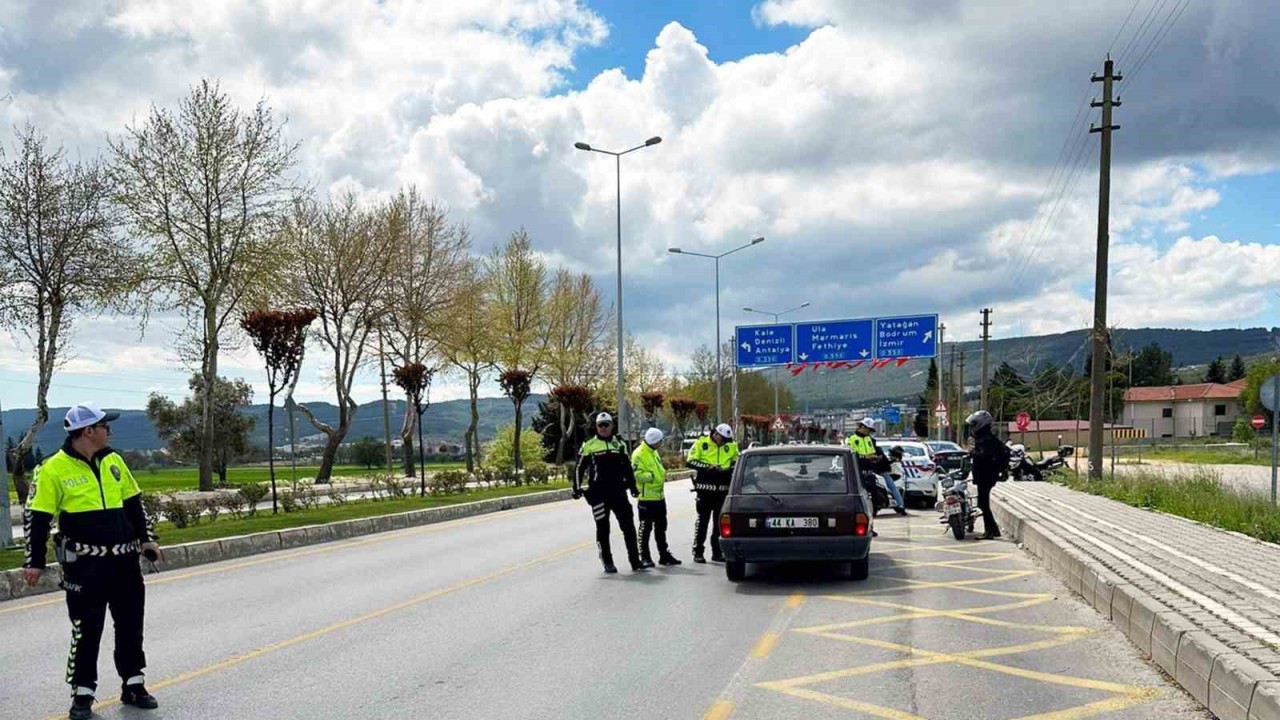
point(1020, 466)
point(1057, 460)
point(958, 509)
point(879, 491)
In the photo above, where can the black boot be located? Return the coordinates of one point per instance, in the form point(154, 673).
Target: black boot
point(637, 565)
point(81, 707)
point(137, 696)
point(610, 568)
point(698, 557)
point(668, 559)
point(646, 561)
point(717, 556)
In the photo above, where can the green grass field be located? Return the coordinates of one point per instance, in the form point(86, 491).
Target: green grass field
point(226, 526)
point(1199, 495)
point(163, 480)
point(1210, 456)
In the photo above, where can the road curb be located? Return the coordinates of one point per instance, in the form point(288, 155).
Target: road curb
point(1229, 685)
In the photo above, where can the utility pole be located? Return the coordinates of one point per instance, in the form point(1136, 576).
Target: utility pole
point(6, 523)
point(386, 405)
point(986, 337)
point(942, 336)
point(951, 402)
point(960, 396)
point(1097, 375)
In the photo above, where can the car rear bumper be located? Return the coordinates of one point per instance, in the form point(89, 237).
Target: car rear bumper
point(795, 549)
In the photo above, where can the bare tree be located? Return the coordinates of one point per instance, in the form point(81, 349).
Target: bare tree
point(59, 258)
point(576, 326)
point(415, 380)
point(204, 186)
point(339, 265)
point(517, 282)
point(426, 277)
point(468, 347)
point(280, 337)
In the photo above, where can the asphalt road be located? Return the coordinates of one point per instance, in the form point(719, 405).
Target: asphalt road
point(508, 616)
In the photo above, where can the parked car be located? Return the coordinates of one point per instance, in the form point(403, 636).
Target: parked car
point(793, 504)
point(919, 482)
point(949, 456)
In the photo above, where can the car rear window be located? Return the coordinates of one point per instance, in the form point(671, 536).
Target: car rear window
point(946, 447)
point(912, 450)
point(777, 474)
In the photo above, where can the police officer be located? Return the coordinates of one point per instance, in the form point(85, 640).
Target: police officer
point(713, 458)
point(604, 464)
point(864, 446)
point(651, 478)
point(990, 463)
point(102, 526)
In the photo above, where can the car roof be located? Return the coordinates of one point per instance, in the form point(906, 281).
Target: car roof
point(798, 450)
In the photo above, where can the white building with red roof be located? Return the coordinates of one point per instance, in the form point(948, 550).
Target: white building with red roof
point(1184, 411)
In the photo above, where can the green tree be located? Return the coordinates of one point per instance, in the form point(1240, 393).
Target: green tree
point(181, 426)
point(204, 187)
point(1216, 372)
point(1242, 431)
point(1257, 375)
point(367, 451)
point(1153, 367)
point(1237, 370)
point(501, 452)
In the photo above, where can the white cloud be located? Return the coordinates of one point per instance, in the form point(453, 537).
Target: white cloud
point(891, 158)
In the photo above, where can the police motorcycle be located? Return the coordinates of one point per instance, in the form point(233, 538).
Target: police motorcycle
point(1022, 468)
point(875, 480)
point(959, 509)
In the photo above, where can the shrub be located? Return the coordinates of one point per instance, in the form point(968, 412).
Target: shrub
point(337, 497)
point(537, 474)
point(234, 504)
point(448, 482)
point(1242, 431)
point(179, 513)
point(288, 502)
point(253, 493)
point(211, 507)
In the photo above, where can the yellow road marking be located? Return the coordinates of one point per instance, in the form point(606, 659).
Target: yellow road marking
point(765, 645)
point(795, 600)
point(846, 703)
point(974, 615)
point(1115, 704)
point(283, 555)
point(720, 711)
point(290, 642)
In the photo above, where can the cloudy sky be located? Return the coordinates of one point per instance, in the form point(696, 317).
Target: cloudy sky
point(915, 156)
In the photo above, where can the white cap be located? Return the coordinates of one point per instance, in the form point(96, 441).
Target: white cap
point(86, 414)
point(653, 436)
point(868, 423)
point(724, 431)
point(604, 417)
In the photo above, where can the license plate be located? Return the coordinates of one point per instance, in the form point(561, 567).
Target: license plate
point(792, 522)
point(953, 509)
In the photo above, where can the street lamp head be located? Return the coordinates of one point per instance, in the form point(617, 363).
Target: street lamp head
point(747, 309)
point(804, 305)
point(757, 241)
point(676, 251)
point(582, 146)
point(652, 141)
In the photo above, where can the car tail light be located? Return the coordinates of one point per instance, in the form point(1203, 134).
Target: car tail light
point(860, 524)
point(952, 499)
point(929, 467)
point(725, 531)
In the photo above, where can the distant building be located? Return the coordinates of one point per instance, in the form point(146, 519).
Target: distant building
point(1185, 411)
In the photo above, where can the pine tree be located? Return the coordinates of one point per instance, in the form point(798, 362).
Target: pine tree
point(1216, 372)
point(1238, 370)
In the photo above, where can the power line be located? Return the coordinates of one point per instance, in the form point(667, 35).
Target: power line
point(1127, 18)
point(1170, 20)
point(1136, 39)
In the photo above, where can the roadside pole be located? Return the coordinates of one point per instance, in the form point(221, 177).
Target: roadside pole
point(1275, 432)
point(6, 524)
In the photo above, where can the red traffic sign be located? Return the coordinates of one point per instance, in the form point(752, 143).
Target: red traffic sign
point(778, 425)
point(1024, 421)
point(1258, 422)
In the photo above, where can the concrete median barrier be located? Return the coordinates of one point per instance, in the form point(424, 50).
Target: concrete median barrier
point(1232, 684)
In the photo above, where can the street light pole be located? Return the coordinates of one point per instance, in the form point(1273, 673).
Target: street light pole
point(617, 158)
point(719, 353)
point(776, 315)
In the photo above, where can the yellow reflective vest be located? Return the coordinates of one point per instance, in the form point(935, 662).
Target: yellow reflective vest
point(650, 474)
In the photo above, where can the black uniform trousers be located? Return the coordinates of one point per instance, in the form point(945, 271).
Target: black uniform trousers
point(984, 504)
point(708, 507)
point(94, 585)
point(653, 523)
point(613, 500)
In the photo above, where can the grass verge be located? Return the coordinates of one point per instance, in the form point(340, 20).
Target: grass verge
point(1198, 495)
point(165, 480)
point(226, 526)
point(1211, 456)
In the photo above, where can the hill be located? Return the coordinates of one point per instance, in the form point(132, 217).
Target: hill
point(442, 421)
point(846, 388)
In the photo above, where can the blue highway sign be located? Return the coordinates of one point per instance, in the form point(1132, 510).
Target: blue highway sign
point(891, 415)
point(834, 341)
point(912, 336)
point(764, 345)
